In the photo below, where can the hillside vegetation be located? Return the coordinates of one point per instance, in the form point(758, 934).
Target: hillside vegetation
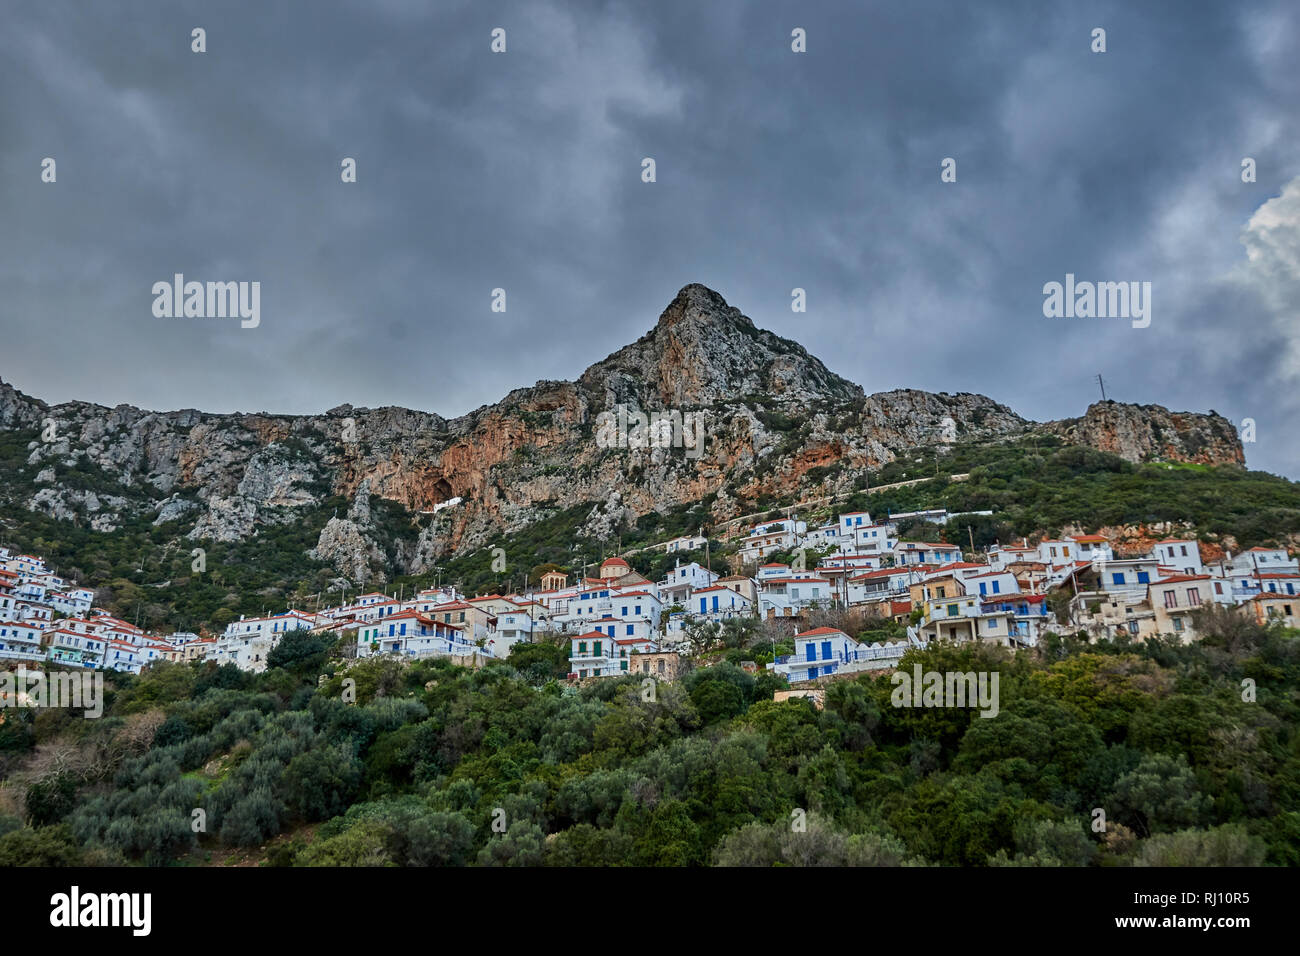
point(437, 765)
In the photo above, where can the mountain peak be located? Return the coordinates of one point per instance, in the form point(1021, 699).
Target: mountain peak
point(698, 303)
point(703, 352)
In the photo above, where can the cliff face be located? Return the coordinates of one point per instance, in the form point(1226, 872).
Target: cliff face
point(1148, 432)
point(775, 422)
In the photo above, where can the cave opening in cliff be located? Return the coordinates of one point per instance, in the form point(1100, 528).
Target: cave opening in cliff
point(442, 491)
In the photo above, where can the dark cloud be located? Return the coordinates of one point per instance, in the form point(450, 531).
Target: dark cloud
point(775, 170)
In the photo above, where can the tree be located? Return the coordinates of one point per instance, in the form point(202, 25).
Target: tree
point(1160, 795)
point(300, 651)
point(322, 782)
point(520, 845)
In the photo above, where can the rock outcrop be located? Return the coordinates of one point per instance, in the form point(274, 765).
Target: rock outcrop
point(1152, 432)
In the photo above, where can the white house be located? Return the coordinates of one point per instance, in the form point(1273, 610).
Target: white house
point(925, 552)
point(824, 651)
point(121, 656)
point(412, 634)
point(1056, 554)
point(1272, 560)
point(597, 654)
point(21, 642)
point(1091, 547)
point(991, 583)
point(1181, 554)
point(787, 596)
point(719, 603)
point(686, 542)
point(246, 643)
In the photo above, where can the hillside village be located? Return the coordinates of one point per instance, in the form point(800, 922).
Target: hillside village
point(619, 622)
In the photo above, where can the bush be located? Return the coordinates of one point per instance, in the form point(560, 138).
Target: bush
point(46, 846)
point(253, 819)
point(51, 799)
point(322, 782)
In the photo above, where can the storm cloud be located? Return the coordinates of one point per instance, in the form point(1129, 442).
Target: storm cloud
point(774, 170)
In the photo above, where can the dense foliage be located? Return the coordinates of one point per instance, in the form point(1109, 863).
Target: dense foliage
point(382, 763)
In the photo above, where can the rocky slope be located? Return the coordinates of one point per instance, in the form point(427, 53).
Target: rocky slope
point(776, 423)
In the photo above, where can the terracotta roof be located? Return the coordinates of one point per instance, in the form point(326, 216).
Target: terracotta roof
point(816, 631)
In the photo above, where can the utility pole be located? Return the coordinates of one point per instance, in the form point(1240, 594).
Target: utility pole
point(1103, 386)
point(972, 540)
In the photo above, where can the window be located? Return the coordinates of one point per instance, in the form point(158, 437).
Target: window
point(1183, 551)
point(1171, 599)
point(582, 647)
point(629, 630)
point(1193, 596)
point(1144, 577)
point(996, 587)
point(952, 610)
point(595, 648)
point(1117, 577)
point(1178, 624)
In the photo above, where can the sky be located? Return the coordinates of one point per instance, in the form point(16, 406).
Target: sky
point(774, 170)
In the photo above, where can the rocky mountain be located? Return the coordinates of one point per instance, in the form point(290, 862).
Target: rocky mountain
point(776, 424)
